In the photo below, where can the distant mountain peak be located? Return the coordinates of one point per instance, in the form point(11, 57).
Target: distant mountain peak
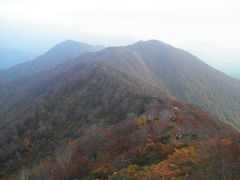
point(69, 41)
point(69, 44)
point(60, 53)
point(151, 42)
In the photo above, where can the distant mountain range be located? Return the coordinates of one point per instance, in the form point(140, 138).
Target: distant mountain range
point(58, 54)
point(80, 112)
point(10, 58)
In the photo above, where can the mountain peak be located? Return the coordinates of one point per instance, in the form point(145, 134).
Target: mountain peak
point(60, 53)
point(151, 43)
point(70, 44)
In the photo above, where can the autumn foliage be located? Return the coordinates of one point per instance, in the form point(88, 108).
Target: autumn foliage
point(142, 149)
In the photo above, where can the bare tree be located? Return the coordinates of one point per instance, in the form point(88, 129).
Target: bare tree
point(23, 175)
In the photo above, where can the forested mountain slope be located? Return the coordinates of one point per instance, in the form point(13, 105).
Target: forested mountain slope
point(95, 120)
point(117, 114)
point(180, 74)
point(51, 106)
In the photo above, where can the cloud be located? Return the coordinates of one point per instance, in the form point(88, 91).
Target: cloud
point(214, 21)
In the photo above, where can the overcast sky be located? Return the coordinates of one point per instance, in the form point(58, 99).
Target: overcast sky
point(34, 24)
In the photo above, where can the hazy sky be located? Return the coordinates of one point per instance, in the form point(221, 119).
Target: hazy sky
point(36, 24)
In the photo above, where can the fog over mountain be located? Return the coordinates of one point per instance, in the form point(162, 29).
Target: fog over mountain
point(56, 55)
point(10, 58)
point(226, 60)
point(111, 24)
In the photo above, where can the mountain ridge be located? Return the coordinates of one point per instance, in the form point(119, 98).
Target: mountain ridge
point(183, 75)
point(91, 99)
point(103, 114)
point(58, 54)
point(176, 71)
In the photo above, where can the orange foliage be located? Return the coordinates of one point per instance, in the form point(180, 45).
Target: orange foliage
point(141, 121)
point(200, 114)
point(26, 141)
point(130, 170)
point(71, 141)
point(150, 143)
point(169, 167)
point(156, 122)
point(141, 151)
point(109, 135)
point(225, 142)
point(187, 152)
